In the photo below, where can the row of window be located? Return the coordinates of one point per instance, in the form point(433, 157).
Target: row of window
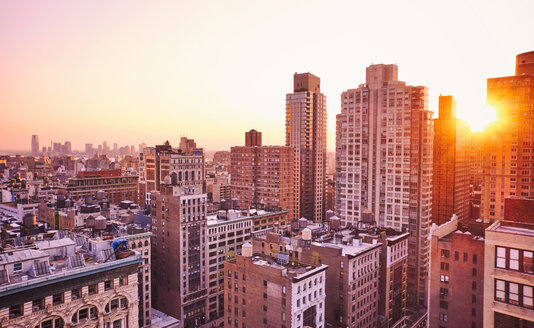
point(514, 259)
point(514, 293)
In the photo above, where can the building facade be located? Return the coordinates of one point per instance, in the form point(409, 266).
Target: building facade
point(117, 187)
point(508, 162)
point(306, 134)
point(225, 237)
point(265, 292)
point(456, 275)
point(384, 137)
point(509, 272)
point(185, 166)
point(83, 290)
point(451, 164)
point(263, 175)
point(179, 288)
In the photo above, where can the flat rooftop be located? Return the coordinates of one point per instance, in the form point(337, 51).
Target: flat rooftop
point(513, 227)
point(56, 259)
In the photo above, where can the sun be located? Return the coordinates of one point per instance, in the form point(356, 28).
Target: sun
point(479, 119)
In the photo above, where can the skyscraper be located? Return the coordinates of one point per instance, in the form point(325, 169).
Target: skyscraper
point(384, 137)
point(35, 145)
point(451, 164)
point(306, 133)
point(508, 164)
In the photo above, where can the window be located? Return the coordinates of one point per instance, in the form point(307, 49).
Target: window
point(16, 311)
point(444, 278)
point(501, 257)
point(76, 293)
point(465, 257)
point(456, 256)
point(474, 285)
point(445, 266)
point(443, 292)
point(93, 289)
point(474, 259)
point(514, 259)
point(108, 284)
point(17, 267)
point(123, 281)
point(57, 298)
point(514, 293)
point(474, 272)
point(444, 304)
point(445, 253)
point(443, 317)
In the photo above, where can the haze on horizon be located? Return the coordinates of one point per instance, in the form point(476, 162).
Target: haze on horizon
point(137, 71)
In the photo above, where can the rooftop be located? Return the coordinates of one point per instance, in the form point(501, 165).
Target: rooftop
point(292, 269)
point(512, 227)
point(62, 256)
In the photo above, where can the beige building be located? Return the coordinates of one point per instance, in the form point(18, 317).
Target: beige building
point(306, 133)
point(509, 275)
point(50, 285)
point(384, 137)
point(184, 164)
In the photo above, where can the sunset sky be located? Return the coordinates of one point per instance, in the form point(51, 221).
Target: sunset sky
point(150, 71)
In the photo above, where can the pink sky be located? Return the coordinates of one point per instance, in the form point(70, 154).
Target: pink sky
point(148, 71)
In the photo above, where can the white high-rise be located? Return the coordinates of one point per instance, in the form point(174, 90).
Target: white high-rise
point(384, 137)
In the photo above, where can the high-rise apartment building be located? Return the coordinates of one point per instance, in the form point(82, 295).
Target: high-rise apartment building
point(509, 274)
point(384, 137)
point(456, 275)
point(306, 133)
point(35, 145)
point(508, 163)
point(263, 175)
point(178, 223)
point(185, 166)
point(451, 164)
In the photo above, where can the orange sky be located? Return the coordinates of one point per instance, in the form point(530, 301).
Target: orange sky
point(148, 71)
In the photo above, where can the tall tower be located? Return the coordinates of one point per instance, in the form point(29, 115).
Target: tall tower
point(384, 137)
point(451, 164)
point(35, 145)
point(306, 133)
point(508, 164)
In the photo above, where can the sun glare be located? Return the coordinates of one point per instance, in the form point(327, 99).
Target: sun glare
point(481, 118)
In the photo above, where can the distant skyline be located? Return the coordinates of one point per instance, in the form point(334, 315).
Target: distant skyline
point(136, 71)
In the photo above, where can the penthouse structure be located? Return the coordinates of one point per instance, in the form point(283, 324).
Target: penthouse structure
point(306, 134)
point(263, 175)
point(117, 187)
point(508, 162)
point(268, 292)
point(185, 166)
point(509, 273)
point(69, 281)
point(456, 274)
point(384, 137)
point(178, 216)
point(451, 164)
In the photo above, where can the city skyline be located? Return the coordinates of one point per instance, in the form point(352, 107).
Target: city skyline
point(95, 69)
